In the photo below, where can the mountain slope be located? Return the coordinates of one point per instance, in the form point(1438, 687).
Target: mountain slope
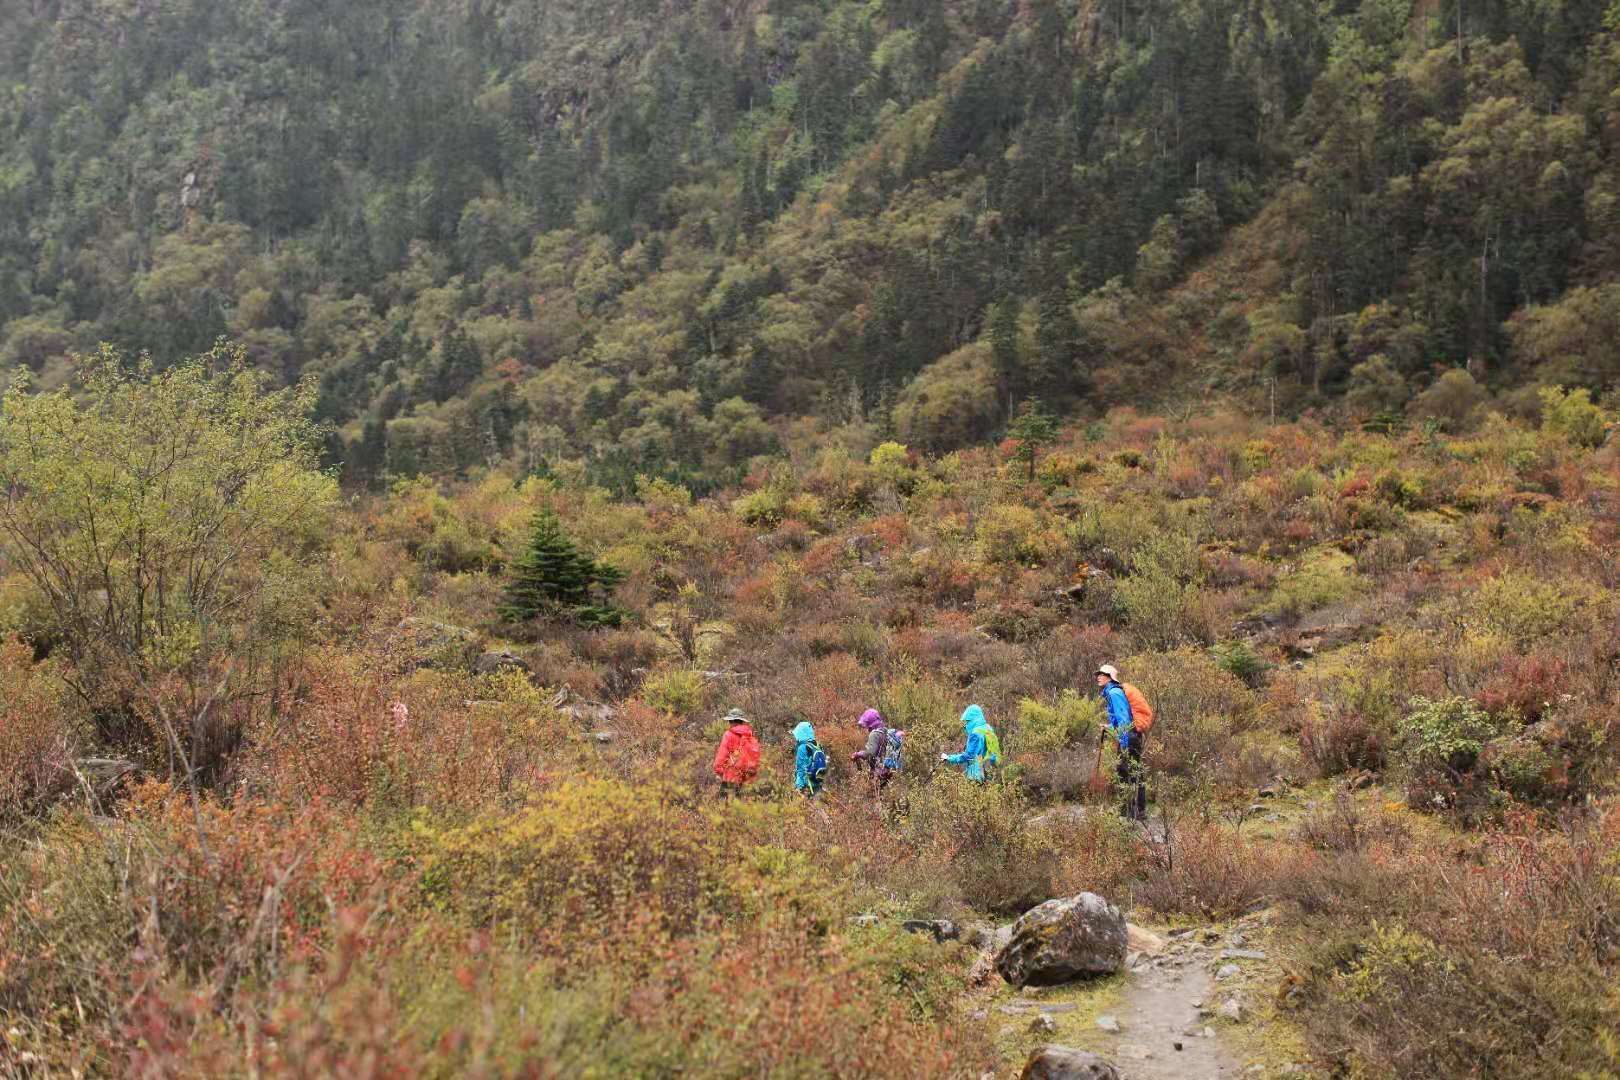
point(636, 232)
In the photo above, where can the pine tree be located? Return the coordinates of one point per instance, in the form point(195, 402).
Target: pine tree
point(370, 453)
point(552, 575)
point(1004, 352)
point(1033, 428)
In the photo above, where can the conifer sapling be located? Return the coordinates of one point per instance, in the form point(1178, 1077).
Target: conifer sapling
point(552, 575)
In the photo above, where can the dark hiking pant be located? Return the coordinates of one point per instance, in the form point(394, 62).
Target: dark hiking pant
point(1132, 776)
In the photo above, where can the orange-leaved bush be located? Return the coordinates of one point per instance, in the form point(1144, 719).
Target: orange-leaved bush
point(38, 732)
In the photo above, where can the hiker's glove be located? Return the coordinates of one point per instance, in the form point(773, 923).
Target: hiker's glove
point(944, 757)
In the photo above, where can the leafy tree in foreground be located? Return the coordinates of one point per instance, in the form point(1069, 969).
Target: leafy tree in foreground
point(553, 576)
point(171, 523)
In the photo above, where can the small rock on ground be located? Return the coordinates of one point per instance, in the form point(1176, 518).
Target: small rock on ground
point(1143, 941)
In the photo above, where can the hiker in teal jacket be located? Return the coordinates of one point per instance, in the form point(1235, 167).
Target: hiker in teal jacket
point(807, 777)
point(978, 752)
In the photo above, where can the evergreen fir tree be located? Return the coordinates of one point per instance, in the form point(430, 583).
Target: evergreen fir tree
point(370, 453)
point(1034, 428)
point(1004, 351)
point(553, 575)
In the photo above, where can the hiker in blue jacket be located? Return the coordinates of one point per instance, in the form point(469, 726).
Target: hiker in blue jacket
point(1123, 726)
point(982, 746)
point(809, 761)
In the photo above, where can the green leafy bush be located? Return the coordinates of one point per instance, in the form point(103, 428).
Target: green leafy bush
point(1438, 743)
point(996, 862)
point(1160, 598)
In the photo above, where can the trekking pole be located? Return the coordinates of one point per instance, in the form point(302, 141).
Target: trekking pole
point(1097, 784)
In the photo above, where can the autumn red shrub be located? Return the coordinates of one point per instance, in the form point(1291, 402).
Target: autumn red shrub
point(942, 580)
point(1101, 852)
point(437, 739)
point(892, 530)
point(554, 662)
point(1338, 740)
point(758, 589)
point(1526, 685)
point(1519, 921)
point(838, 691)
point(38, 733)
point(157, 925)
point(619, 658)
point(1346, 825)
point(1227, 569)
point(824, 556)
point(1205, 870)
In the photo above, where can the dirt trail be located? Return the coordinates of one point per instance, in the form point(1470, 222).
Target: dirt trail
point(1161, 1011)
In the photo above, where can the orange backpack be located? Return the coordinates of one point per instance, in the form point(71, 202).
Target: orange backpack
point(747, 757)
point(1141, 711)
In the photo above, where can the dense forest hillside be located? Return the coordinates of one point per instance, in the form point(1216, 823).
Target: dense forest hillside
point(650, 234)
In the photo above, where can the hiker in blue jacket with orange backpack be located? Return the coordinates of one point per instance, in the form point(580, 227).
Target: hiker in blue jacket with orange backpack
point(1129, 718)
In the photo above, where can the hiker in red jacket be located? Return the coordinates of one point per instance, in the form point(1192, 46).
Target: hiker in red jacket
point(737, 761)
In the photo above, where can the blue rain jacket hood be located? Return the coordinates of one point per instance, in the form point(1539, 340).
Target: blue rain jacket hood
point(972, 717)
point(804, 732)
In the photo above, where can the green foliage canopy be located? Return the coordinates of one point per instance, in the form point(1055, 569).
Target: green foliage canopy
point(172, 521)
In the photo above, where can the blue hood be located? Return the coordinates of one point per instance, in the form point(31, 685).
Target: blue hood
point(804, 732)
point(972, 717)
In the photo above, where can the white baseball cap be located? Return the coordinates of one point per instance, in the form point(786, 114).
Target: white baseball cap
point(1109, 670)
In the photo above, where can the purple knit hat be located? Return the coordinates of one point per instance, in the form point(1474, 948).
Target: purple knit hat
point(871, 719)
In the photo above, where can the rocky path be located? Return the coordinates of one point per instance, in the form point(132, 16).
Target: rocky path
point(1165, 1024)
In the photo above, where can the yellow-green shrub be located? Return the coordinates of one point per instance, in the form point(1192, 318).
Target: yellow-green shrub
point(434, 531)
point(1524, 609)
point(1573, 415)
point(1044, 728)
point(585, 854)
point(928, 713)
point(681, 692)
point(1009, 533)
point(765, 507)
point(1161, 597)
point(1317, 584)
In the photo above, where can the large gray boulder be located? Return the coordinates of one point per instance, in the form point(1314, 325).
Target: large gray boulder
point(1063, 940)
point(1067, 1063)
